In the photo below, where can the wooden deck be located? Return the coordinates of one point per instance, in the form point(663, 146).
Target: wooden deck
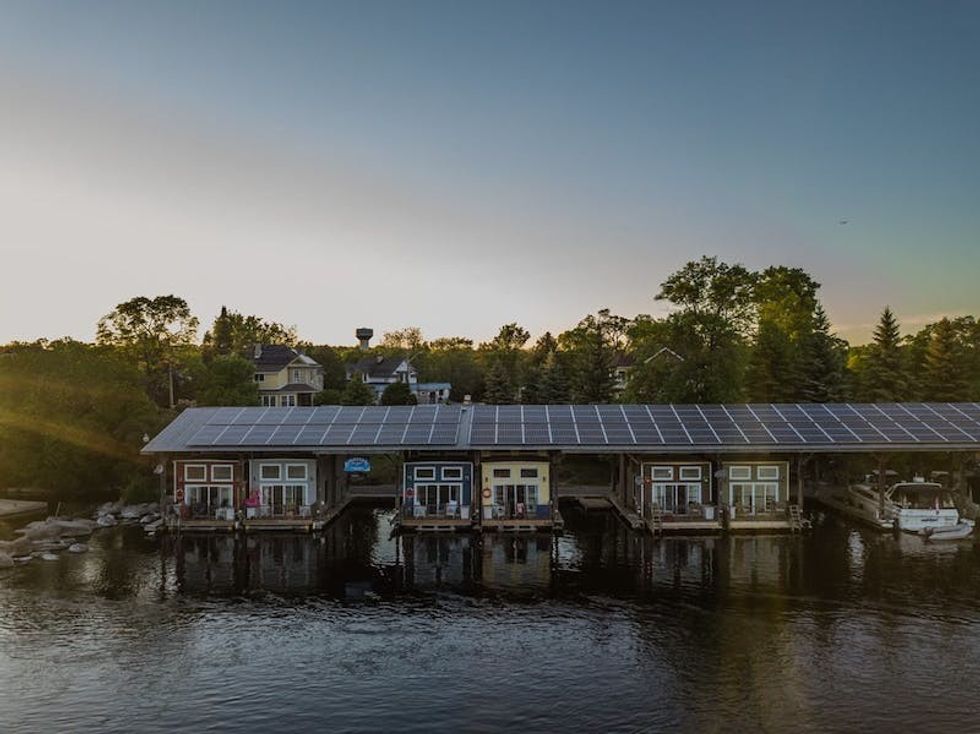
point(434, 524)
point(524, 525)
point(201, 526)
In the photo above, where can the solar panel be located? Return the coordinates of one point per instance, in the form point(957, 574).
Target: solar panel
point(600, 427)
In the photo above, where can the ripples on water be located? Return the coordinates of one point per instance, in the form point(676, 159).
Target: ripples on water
point(597, 630)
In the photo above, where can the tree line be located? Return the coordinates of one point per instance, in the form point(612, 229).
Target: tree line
point(74, 414)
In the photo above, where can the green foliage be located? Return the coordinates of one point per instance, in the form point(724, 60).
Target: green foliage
point(944, 369)
point(499, 388)
point(356, 392)
point(236, 333)
point(226, 380)
point(72, 417)
point(824, 370)
point(328, 396)
point(884, 377)
point(155, 333)
point(592, 347)
point(398, 393)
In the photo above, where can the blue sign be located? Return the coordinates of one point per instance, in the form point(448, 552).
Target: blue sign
point(357, 466)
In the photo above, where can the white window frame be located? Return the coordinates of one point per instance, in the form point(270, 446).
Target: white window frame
point(276, 478)
point(768, 472)
point(204, 475)
point(452, 472)
point(223, 491)
point(661, 472)
point(740, 473)
point(260, 377)
point(287, 401)
point(229, 467)
point(501, 469)
point(297, 374)
point(529, 475)
point(268, 401)
point(424, 473)
point(690, 473)
point(304, 467)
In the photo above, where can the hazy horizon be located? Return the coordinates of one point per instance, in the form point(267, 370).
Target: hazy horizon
point(333, 165)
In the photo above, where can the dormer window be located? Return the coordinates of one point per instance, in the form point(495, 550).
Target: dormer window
point(259, 377)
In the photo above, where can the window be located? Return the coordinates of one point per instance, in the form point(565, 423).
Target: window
point(297, 375)
point(195, 473)
point(270, 471)
point(425, 472)
point(740, 472)
point(767, 472)
point(691, 473)
point(287, 401)
point(529, 473)
point(268, 401)
point(662, 472)
point(295, 471)
point(222, 472)
point(501, 473)
point(259, 377)
point(452, 472)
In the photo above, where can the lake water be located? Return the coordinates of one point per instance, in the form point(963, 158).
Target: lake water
point(841, 630)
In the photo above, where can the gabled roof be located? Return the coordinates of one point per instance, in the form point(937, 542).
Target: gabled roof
point(273, 357)
point(377, 366)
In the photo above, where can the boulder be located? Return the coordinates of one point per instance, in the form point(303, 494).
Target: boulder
point(106, 521)
point(6, 561)
point(49, 557)
point(149, 517)
point(75, 527)
point(78, 548)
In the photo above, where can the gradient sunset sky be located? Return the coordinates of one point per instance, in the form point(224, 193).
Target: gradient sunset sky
point(459, 165)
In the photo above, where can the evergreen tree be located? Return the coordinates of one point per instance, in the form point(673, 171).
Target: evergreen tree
point(356, 392)
point(772, 375)
point(553, 387)
point(823, 365)
point(499, 389)
point(221, 334)
point(592, 380)
point(885, 378)
point(945, 377)
point(398, 393)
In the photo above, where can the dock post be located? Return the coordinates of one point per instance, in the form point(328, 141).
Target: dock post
point(882, 485)
point(799, 480)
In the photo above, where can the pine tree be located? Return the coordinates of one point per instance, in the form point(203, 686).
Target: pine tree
point(553, 388)
point(885, 378)
point(221, 334)
point(499, 390)
point(823, 362)
point(945, 376)
point(357, 393)
point(773, 375)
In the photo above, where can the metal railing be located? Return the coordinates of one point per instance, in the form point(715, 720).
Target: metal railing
point(448, 510)
point(278, 512)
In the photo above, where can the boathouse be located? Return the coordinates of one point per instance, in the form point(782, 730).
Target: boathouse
point(745, 463)
point(436, 495)
point(515, 493)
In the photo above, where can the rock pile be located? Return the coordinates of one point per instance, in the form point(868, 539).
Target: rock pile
point(44, 539)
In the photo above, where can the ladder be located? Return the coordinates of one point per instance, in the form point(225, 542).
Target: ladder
point(795, 518)
point(656, 521)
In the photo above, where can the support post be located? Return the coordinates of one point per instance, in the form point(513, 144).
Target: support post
point(882, 485)
point(799, 480)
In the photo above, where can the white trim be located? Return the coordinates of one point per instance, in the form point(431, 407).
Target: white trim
point(306, 473)
point(661, 471)
point(698, 474)
point(740, 472)
point(203, 478)
point(270, 465)
point(429, 474)
point(230, 478)
point(764, 472)
point(457, 472)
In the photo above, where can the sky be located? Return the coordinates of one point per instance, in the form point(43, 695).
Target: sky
point(457, 166)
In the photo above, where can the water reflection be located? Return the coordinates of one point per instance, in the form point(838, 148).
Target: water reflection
point(620, 631)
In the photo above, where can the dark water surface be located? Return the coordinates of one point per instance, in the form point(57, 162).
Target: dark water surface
point(600, 630)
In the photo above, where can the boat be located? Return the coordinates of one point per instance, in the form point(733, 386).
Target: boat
point(912, 507)
point(961, 530)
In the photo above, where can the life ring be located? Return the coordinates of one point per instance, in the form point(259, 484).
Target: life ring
point(486, 493)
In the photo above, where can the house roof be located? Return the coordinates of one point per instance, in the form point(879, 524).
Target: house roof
point(377, 366)
point(644, 429)
point(273, 357)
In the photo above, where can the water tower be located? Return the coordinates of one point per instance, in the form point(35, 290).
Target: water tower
point(364, 337)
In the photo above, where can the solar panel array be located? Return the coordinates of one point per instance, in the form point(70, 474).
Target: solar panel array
point(330, 426)
point(736, 426)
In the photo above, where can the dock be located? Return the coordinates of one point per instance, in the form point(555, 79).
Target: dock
point(834, 502)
